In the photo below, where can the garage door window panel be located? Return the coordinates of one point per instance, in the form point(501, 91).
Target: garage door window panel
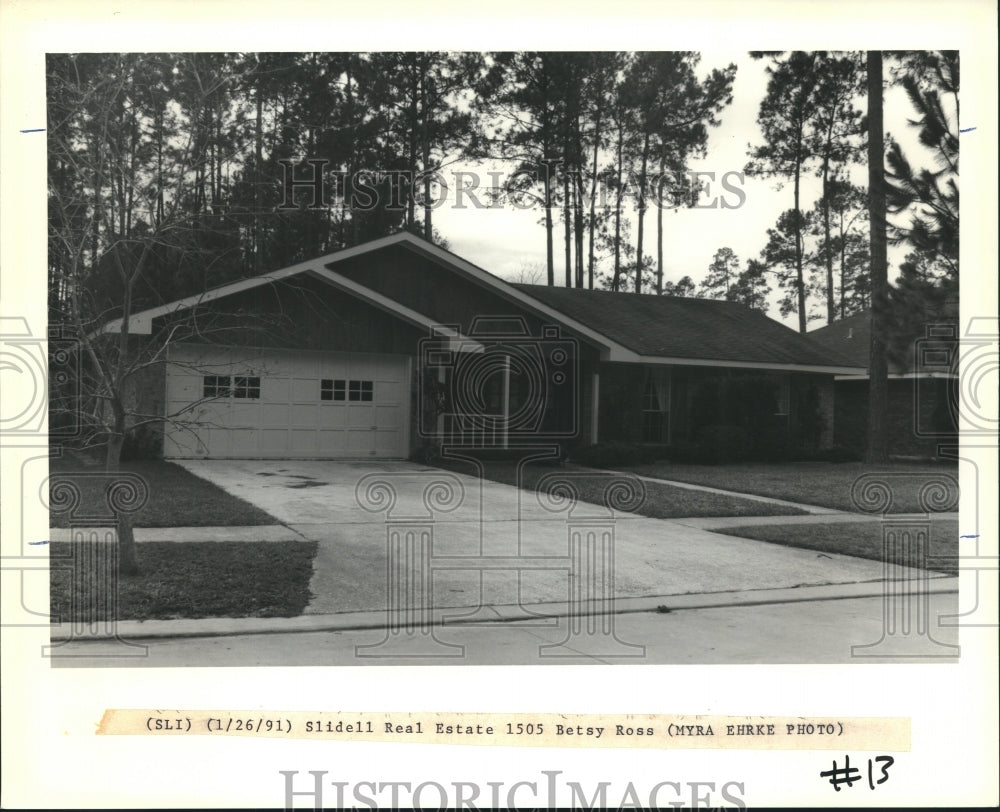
point(332, 389)
point(363, 391)
point(215, 386)
point(246, 387)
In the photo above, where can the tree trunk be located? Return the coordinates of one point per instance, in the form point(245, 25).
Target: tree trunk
point(258, 204)
point(128, 563)
point(566, 229)
point(426, 139)
point(659, 231)
point(800, 283)
point(159, 166)
point(843, 269)
point(550, 259)
point(347, 203)
point(831, 305)
point(578, 227)
point(593, 200)
point(618, 210)
point(411, 157)
point(642, 215)
point(578, 198)
point(878, 372)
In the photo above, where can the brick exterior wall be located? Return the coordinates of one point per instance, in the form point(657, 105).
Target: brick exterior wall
point(918, 408)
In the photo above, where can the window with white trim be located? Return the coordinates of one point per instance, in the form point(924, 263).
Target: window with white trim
point(656, 406)
point(783, 396)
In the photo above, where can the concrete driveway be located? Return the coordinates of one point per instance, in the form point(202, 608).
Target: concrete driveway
point(347, 508)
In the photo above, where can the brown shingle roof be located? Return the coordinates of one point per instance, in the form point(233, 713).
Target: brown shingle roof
point(851, 337)
point(678, 327)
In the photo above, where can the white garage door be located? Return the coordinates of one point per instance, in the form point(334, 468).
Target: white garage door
point(250, 403)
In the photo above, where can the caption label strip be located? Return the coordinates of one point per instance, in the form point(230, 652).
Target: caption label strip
point(658, 731)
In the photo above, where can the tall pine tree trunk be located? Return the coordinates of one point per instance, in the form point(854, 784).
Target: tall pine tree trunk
point(593, 201)
point(550, 258)
point(831, 304)
point(578, 227)
point(800, 283)
point(258, 203)
point(878, 370)
point(843, 266)
point(566, 229)
point(642, 214)
point(426, 139)
point(659, 230)
point(618, 210)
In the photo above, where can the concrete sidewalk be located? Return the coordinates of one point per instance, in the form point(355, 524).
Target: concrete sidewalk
point(349, 621)
point(752, 497)
point(720, 522)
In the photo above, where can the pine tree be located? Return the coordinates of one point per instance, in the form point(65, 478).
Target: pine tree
point(722, 275)
point(751, 288)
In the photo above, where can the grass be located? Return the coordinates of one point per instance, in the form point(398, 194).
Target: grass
point(177, 498)
point(823, 484)
point(185, 580)
point(861, 539)
point(661, 501)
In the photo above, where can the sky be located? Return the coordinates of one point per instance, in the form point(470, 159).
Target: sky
point(507, 242)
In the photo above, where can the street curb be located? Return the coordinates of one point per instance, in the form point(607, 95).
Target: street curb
point(359, 621)
point(243, 533)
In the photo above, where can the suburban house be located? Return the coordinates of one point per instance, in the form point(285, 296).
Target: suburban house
point(384, 348)
point(923, 384)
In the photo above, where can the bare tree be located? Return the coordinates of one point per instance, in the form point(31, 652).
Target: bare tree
point(120, 192)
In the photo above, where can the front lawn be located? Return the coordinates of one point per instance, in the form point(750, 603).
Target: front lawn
point(661, 502)
point(824, 484)
point(177, 498)
point(185, 580)
point(861, 539)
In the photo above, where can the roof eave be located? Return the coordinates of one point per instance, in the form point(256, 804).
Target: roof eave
point(763, 365)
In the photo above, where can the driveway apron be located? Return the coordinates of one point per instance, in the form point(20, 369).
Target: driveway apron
point(350, 508)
